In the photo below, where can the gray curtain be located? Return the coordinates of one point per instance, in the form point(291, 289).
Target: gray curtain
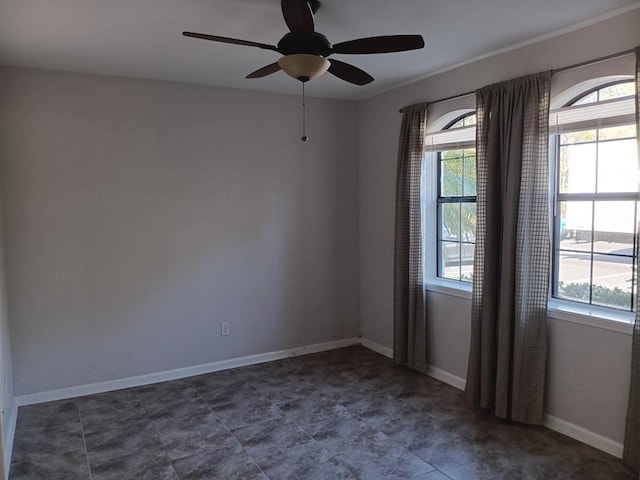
point(632, 437)
point(409, 343)
point(507, 361)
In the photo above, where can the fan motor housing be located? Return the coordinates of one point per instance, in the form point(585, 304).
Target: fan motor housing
point(317, 44)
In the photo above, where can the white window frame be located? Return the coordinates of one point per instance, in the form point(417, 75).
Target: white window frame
point(593, 316)
point(436, 140)
point(564, 119)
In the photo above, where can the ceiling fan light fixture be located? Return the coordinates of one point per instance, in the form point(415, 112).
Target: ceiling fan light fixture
point(304, 67)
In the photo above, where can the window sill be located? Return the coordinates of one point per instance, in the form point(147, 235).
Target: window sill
point(620, 322)
point(449, 287)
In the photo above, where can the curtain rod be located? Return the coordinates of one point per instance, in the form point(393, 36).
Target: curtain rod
point(557, 70)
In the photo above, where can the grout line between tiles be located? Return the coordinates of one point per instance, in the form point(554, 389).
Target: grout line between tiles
point(86, 450)
point(227, 428)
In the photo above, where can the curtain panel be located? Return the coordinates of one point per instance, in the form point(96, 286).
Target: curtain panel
point(507, 362)
point(632, 437)
point(409, 343)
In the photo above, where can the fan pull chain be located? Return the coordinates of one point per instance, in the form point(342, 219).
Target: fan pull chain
point(304, 116)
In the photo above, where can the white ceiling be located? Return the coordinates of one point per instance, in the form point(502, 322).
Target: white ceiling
point(142, 38)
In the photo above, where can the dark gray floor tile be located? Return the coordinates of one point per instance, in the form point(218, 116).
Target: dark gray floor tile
point(229, 393)
point(366, 418)
point(40, 445)
point(341, 432)
point(105, 399)
point(113, 416)
point(377, 456)
point(46, 415)
point(313, 409)
point(246, 411)
point(147, 465)
point(464, 459)
point(228, 463)
point(183, 440)
point(217, 379)
point(537, 452)
point(266, 438)
point(434, 475)
point(308, 461)
point(376, 409)
point(66, 466)
point(417, 431)
point(278, 369)
point(159, 396)
point(186, 412)
point(117, 442)
point(284, 388)
point(603, 470)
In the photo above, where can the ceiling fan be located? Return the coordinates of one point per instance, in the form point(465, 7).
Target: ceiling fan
point(305, 51)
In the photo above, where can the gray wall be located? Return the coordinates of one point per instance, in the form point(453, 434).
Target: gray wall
point(9, 409)
point(140, 214)
point(589, 367)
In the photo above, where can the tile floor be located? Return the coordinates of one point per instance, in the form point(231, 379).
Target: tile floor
point(344, 414)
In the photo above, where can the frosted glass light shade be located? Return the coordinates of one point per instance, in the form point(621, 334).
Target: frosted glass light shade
point(304, 67)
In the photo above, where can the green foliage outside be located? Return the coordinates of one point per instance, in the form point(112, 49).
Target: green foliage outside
point(458, 176)
point(611, 297)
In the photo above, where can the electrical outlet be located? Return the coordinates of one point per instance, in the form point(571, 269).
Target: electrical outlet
point(225, 328)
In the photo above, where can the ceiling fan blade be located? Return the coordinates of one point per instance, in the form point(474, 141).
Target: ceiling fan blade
point(298, 16)
point(384, 44)
point(349, 73)
point(234, 41)
point(264, 71)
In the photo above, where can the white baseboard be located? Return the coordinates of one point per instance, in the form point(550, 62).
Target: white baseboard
point(376, 347)
point(137, 381)
point(8, 441)
point(561, 426)
point(434, 372)
point(566, 428)
point(446, 377)
point(583, 435)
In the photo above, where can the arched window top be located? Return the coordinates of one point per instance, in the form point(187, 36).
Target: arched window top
point(601, 93)
point(452, 131)
point(466, 120)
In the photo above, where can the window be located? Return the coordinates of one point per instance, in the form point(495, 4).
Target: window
point(456, 205)
point(596, 200)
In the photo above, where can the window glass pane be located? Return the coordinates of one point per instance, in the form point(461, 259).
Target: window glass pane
point(612, 281)
point(450, 260)
point(574, 276)
point(613, 133)
point(464, 122)
point(578, 168)
point(575, 225)
point(468, 222)
point(617, 91)
point(467, 251)
point(470, 120)
point(452, 173)
point(614, 227)
point(470, 173)
point(450, 218)
point(578, 137)
point(450, 154)
point(591, 98)
point(618, 166)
